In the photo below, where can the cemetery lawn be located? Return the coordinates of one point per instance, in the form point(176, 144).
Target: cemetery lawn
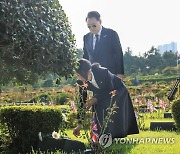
point(150, 142)
point(148, 121)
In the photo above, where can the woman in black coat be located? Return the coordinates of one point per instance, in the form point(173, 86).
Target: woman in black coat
point(102, 82)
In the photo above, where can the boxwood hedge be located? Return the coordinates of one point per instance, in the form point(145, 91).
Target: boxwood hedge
point(23, 123)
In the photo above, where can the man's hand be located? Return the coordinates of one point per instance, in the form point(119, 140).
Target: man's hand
point(90, 102)
point(121, 76)
point(76, 131)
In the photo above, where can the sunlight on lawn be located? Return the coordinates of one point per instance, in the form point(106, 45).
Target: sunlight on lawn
point(163, 147)
point(146, 137)
point(70, 135)
point(142, 147)
point(171, 147)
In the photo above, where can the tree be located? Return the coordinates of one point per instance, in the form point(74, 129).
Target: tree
point(154, 61)
point(169, 58)
point(133, 64)
point(35, 40)
point(128, 61)
point(150, 63)
point(80, 53)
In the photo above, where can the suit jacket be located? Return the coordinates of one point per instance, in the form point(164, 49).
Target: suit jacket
point(124, 120)
point(108, 53)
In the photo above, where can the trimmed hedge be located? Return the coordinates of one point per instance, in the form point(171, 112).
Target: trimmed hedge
point(176, 113)
point(154, 80)
point(73, 122)
point(149, 79)
point(23, 123)
point(46, 98)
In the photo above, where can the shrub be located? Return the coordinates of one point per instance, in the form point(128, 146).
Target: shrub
point(162, 82)
point(161, 93)
point(62, 98)
point(147, 84)
point(23, 123)
point(169, 70)
point(48, 83)
point(176, 113)
point(154, 80)
point(72, 120)
point(45, 98)
point(36, 85)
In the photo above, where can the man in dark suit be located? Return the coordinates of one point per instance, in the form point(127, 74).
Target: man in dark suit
point(102, 45)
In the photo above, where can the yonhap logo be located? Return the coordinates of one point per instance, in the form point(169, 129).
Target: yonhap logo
point(105, 140)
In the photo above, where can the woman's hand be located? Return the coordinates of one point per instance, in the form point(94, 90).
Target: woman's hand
point(76, 131)
point(90, 102)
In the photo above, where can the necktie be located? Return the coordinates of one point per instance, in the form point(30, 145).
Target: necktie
point(96, 43)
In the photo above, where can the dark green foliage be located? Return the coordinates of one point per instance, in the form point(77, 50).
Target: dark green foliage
point(162, 83)
point(48, 83)
point(158, 79)
point(62, 98)
point(72, 120)
point(58, 81)
point(80, 53)
point(170, 70)
point(170, 58)
point(25, 122)
point(35, 39)
point(70, 81)
point(163, 92)
point(150, 63)
point(147, 84)
point(45, 98)
point(176, 112)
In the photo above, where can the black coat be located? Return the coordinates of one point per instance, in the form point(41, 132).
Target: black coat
point(124, 121)
point(108, 53)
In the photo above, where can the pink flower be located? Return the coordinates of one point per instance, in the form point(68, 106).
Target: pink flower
point(113, 93)
point(85, 85)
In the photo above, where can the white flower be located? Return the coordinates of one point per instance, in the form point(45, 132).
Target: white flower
point(55, 135)
point(40, 136)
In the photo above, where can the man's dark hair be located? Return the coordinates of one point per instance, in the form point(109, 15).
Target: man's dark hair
point(93, 14)
point(83, 67)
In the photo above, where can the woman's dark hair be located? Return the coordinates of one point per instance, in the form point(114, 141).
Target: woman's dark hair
point(83, 67)
point(93, 14)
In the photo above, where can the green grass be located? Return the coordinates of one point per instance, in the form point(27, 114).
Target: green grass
point(149, 148)
point(142, 147)
point(125, 145)
point(147, 118)
point(69, 132)
point(148, 121)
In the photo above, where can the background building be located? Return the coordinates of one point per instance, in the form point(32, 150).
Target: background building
point(168, 47)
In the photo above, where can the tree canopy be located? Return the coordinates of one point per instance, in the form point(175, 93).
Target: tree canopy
point(151, 62)
point(35, 40)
